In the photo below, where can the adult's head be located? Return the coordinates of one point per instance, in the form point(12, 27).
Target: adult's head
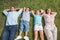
point(12, 9)
point(48, 11)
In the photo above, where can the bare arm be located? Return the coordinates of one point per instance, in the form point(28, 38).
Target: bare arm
point(43, 12)
point(32, 12)
point(54, 13)
point(24, 9)
point(6, 9)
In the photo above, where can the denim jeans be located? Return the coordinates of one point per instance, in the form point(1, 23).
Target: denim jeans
point(9, 32)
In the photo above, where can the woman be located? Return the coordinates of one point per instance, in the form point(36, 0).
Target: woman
point(38, 25)
point(50, 28)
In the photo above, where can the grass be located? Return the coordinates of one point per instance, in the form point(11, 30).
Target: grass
point(34, 4)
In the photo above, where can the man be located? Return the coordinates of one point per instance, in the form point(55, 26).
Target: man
point(11, 23)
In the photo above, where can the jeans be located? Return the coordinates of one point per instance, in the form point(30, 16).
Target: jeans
point(9, 32)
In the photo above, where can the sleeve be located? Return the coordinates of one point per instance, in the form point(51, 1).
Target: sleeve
point(5, 12)
point(20, 11)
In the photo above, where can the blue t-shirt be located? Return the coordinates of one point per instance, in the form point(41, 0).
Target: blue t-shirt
point(37, 19)
point(12, 17)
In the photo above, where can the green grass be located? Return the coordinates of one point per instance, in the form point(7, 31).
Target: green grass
point(34, 4)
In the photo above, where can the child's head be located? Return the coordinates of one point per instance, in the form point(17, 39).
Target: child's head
point(28, 9)
point(38, 12)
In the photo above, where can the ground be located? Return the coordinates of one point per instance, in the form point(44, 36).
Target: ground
point(33, 4)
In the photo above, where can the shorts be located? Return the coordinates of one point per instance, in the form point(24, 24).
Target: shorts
point(24, 25)
point(38, 27)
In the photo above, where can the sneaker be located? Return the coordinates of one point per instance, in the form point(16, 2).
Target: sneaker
point(26, 37)
point(18, 37)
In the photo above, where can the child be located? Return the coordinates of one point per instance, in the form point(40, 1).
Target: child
point(11, 23)
point(38, 25)
point(24, 24)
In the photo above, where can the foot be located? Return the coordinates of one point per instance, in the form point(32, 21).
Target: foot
point(26, 37)
point(18, 37)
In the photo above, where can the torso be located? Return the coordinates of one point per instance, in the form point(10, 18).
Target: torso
point(49, 19)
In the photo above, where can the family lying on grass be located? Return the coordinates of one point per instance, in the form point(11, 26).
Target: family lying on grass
point(12, 15)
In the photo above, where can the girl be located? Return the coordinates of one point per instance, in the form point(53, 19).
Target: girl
point(38, 25)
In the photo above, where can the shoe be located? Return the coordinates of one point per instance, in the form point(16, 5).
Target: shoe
point(26, 37)
point(18, 37)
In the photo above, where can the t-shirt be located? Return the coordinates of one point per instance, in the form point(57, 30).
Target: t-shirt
point(12, 17)
point(49, 19)
point(37, 19)
point(26, 16)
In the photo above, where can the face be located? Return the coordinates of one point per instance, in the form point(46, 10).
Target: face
point(27, 9)
point(38, 12)
point(12, 9)
point(48, 11)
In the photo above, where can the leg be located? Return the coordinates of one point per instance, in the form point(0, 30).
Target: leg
point(13, 30)
point(41, 34)
point(26, 28)
point(35, 35)
point(26, 33)
point(20, 30)
point(20, 33)
point(5, 35)
point(55, 34)
point(49, 34)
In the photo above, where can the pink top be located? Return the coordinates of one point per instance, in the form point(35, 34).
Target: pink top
point(49, 19)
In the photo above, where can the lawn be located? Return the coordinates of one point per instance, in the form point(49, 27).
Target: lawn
point(33, 4)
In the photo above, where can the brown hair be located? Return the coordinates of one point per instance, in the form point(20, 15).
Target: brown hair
point(29, 8)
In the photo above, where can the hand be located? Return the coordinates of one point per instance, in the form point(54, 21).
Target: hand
point(24, 8)
point(42, 11)
point(32, 12)
point(7, 9)
point(54, 13)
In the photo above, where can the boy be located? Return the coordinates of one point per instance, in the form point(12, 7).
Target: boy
point(24, 24)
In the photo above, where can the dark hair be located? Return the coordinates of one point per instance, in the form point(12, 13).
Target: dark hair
point(36, 11)
point(46, 10)
point(29, 8)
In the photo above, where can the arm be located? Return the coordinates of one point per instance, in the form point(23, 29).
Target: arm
point(32, 12)
point(20, 10)
point(24, 9)
point(17, 9)
point(5, 11)
point(54, 13)
point(43, 12)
